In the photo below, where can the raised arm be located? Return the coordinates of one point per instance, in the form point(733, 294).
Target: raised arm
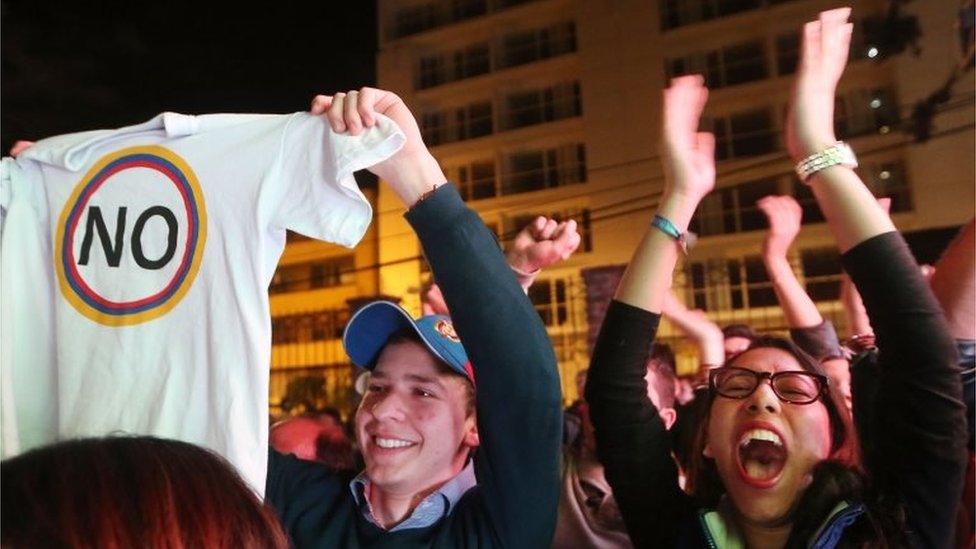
point(852, 212)
point(918, 403)
point(857, 316)
point(516, 381)
point(696, 325)
point(785, 215)
point(954, 283)
point(540, 244)
point(632, 442)
point(689, 164)
point(808, 328)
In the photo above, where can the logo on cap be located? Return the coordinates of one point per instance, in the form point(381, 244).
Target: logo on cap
point(446, 329)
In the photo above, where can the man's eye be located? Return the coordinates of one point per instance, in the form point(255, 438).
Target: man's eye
point(375, 388)
point(423, 393)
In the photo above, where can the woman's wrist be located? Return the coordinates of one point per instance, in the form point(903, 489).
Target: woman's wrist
point(678, 208)
point(813, 146)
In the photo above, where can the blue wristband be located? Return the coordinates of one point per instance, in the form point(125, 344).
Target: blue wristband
point(684, 240)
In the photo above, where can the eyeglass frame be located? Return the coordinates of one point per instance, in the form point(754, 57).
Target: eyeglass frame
point(821, 380)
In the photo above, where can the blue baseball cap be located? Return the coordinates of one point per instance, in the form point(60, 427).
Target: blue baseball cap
point(372, 326)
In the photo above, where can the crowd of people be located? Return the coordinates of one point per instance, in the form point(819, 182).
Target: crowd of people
point(461, 440)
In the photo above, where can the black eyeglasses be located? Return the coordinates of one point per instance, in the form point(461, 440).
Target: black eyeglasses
point(791, 387)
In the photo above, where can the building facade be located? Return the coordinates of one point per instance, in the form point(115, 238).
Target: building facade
point(552, 107)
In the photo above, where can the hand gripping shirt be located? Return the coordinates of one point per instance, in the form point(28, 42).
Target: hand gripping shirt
point(134, 268)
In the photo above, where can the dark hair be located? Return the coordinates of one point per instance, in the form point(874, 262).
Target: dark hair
point(330, 411)
point(837, 478)
point(334, 449)
point(739, 330)
point(409, 334)
point(130, 492)
point(661, 365)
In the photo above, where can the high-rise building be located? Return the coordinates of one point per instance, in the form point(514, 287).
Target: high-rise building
point(552, 107)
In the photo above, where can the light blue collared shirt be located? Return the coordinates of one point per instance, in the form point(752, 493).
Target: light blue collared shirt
point(433, 507)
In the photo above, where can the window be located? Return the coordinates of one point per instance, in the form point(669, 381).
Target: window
point(308, 327)
point(860, 112)
point(678, 13)
point(744, 63)
point(536, 45)
point(697, 283)
point(821, 271)
point(581, 215)
point(309, 276)
point(736, 64)
point(729, 284)
point(787, 53)
point(743, 134)
point(733, 209)
point(549, 298)
point(535, 170)
point(414, 19)
point(467, 122)
point(803, 195)
point(759, 289)
point(438, 69)
point(471, 62)
point(433, 127)
point(889, 179)
point(432, 72)
point(476, 181)
point(546, 105)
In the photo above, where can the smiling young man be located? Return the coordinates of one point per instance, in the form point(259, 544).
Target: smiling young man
point(430, 400)
point(416, 424)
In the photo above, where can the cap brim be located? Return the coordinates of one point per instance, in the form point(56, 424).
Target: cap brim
point(372, 326)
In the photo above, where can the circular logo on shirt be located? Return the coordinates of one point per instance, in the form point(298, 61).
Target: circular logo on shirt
point(131, 236)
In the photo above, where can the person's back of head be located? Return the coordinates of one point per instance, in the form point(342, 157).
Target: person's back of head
point(130, 492)
point(738, 338)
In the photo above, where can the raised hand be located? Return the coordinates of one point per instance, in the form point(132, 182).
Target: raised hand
point(689, 155)
point(432, 301)
point(824, 50)
point(410, 172)
point(785, 216)
point(542, 243)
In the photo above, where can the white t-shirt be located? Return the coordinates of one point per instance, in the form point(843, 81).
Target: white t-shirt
point(134, 267)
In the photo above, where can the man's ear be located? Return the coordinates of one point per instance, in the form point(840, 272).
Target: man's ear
point(668, 416)
point(471, 438)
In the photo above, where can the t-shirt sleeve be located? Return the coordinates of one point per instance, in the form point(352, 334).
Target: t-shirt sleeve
point(818, 341)
point(319, 197)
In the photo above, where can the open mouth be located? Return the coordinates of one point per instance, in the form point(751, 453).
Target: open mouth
point(762, 457)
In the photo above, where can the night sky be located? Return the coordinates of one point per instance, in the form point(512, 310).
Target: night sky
point(71, 66)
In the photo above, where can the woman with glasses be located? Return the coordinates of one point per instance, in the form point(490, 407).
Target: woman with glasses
point(771, 459)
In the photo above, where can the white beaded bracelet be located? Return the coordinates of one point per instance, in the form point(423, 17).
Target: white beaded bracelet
point(839, 153)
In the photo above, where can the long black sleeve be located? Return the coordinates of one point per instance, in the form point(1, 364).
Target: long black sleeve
point(517, 385)
point(632, 443)
point(917, 426)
